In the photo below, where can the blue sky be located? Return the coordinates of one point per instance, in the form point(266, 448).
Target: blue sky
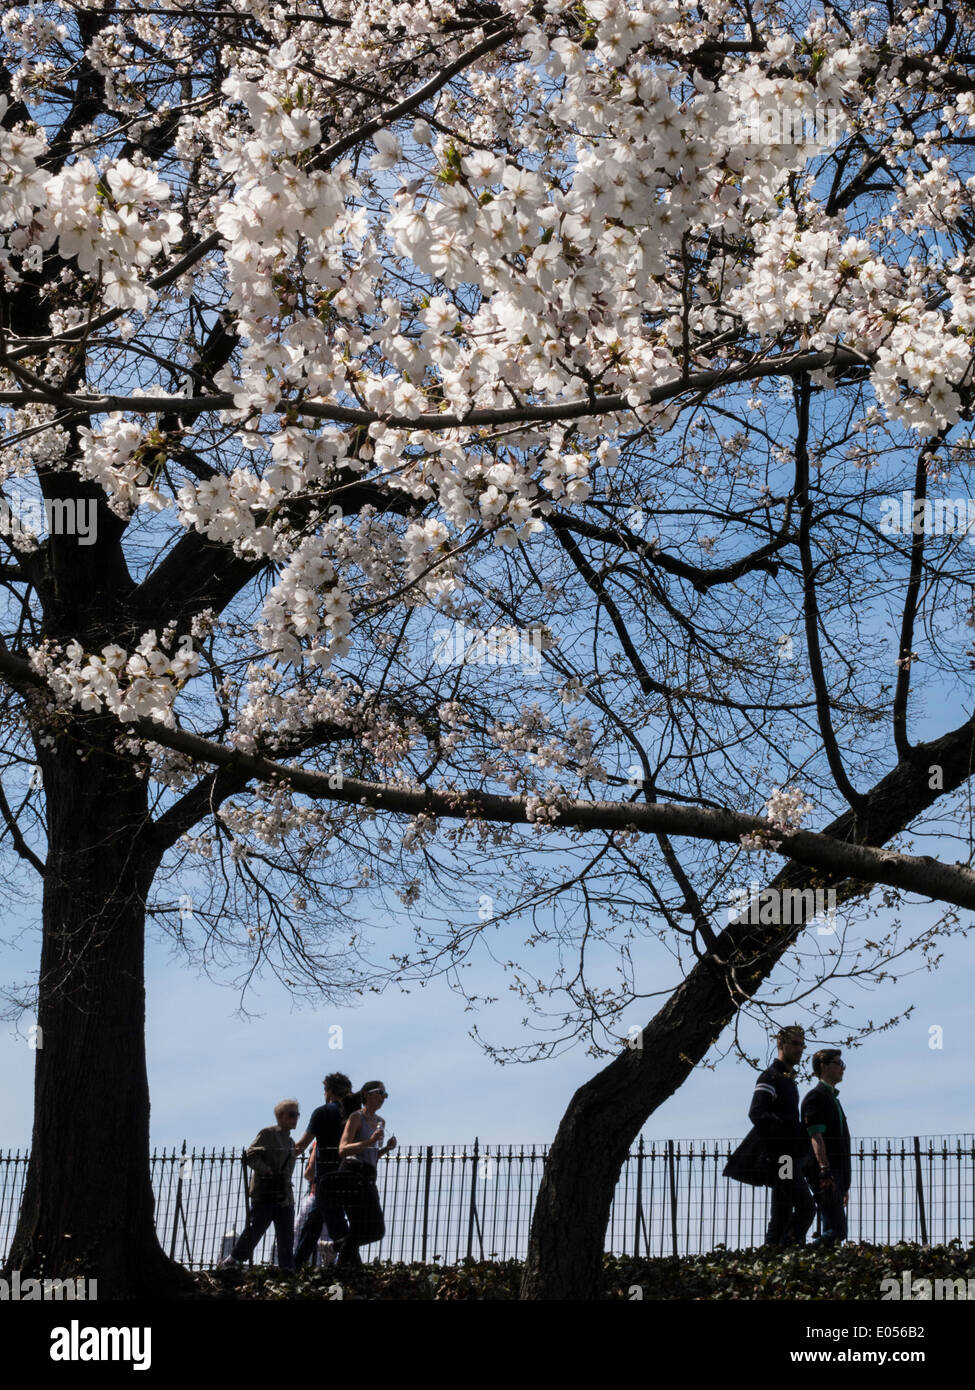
point(214, 1076)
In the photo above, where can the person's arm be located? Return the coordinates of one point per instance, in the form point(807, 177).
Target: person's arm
point(310, 1165)
point(762, 1111)
point(305, 1138)
point(348, 1144)
point(819, 1146)
point(258, 1157)
point(815, 1122)
point(388, 1146)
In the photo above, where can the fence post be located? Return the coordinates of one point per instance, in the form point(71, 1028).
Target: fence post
point(247, 1201)
point(639, 1199)
point(426, 1200)
point(473, 1206)
point(673, 1196)
point(179, 1202)
point(920, 1190)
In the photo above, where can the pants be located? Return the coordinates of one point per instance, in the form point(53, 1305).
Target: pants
point(328, 1211)
point(366, 1223)
point(792, 1212)
point(308, 1205)
point(262, 1215)
point(832, 1214)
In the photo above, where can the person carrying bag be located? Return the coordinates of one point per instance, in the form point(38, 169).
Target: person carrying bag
point(750, 1162)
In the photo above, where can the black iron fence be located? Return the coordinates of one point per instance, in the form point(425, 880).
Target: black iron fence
point(446, 1202)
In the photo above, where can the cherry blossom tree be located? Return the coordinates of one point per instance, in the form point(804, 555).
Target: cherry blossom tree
point(444, 439)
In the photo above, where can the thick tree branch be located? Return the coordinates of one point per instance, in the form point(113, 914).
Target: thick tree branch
point(790, 364)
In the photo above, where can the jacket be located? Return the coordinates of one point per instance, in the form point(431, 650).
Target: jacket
point(774, 1112)
point(272, 1156)
point(823, 1114)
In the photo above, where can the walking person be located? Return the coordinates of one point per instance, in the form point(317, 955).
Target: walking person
point(774, 1112)
point(272, 1156)
point(307, 1203)
point(829, 1133)
point(360, 1150)
point(325, 1127)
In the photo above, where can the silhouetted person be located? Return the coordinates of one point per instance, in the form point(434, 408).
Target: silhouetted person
point(829, 1133)
point(326, 1126)
point(360, 1149)
point(272, 1157)
point(774, 1112)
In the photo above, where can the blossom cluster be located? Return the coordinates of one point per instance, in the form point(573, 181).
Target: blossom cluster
point(785, 810)
point(142, 684)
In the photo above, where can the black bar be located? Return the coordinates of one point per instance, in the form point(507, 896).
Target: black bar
point(920, 1190)
point(673, 1196)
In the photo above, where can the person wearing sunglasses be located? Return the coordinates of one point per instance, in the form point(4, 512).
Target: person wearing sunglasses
point(272, 1157)
point(360, 1149)
point(825, 1121)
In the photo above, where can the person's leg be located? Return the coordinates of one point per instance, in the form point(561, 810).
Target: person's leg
point(803, 1211)
point(822, 1208)
point(373, 1223)
point(780, 1212)
point(309, 1232)
point(262, 1214)
point(332, 1194)
point(284, 1233)
point(833, 1212)
point(348, 1191)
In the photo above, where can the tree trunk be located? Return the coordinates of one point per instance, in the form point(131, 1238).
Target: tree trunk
point(565, 1252)
point(88, 1204)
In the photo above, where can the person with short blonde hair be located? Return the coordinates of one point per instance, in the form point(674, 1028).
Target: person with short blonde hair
point(272, 1157)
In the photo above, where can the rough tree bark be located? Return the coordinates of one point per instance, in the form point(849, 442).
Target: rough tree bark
point(91, 1119)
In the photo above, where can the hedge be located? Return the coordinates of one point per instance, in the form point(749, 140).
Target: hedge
point(845, 1272)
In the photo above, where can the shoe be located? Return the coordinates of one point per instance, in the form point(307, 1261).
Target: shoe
point(347, 1254)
